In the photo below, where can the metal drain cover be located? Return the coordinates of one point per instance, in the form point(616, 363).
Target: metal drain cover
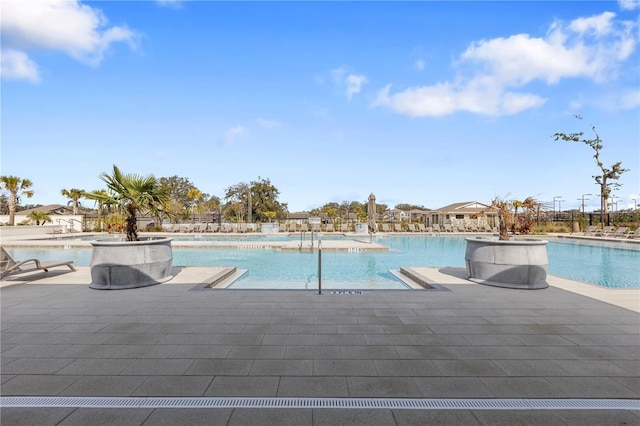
point(318, 403)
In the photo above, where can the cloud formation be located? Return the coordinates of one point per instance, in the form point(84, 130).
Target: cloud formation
point(491, 72)
point(233, 134)
point(65, 26)
point(349, 82)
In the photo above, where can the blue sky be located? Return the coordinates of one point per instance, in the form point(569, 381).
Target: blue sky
point(425, 103)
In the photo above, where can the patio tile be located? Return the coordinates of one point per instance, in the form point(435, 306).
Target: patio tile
point(174, 386)
point(26, 416)
point(97, 366)
point(468, 368)
point(104, 386)
point(35, 365)
point(200, 351)
point(310, 386)
point(271, 416)
point(256, 352)
point(189, 416)
point(37, 384)
point(518, 417)
point(368, 352)
point(436, 417)
point(243, 386)
point(89, 351)
point(382, 387)
point(168, 367)
point(344, 368)
point(106, 416)
point(219, 367)
point(406, 367)
point(524, 387)
point(285, 367)
point(452, 387)
point(313, 352)
point(592, 387)
point(529, 367)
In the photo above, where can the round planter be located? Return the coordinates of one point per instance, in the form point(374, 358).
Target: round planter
point(130, 264)
point(518, 263)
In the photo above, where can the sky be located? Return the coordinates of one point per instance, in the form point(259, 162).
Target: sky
point(425, 103)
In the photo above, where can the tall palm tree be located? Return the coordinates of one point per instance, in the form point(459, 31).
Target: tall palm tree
point(75, 195)
point(15, 186)
point(133, 193)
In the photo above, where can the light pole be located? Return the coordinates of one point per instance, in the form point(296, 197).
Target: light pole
point(583, 202)
point(635, 204)
point(560, 206)
point(554, 207)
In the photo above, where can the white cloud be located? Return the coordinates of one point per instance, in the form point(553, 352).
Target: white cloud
point(630, 99)
point(16, 65)
point(354, 84)
point(351, 83)
point(420, 64)
point(490, 70)
point(629, 4)
point(233, 134)
point(268, 124)
point(66, 26)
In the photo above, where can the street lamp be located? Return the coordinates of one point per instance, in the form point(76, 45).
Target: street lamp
point(635, 204)
point(554, 206)
point(583, 202)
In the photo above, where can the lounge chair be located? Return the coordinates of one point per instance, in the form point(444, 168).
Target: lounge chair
point(447, 227)
point(591, 230)
point(397, 227)
point(421, 227)
point(344, 227)
point(487, 228)
point(412, 227)
point(436, 227)
point(635, 234)
point(385, 227)
point(621, 232)
point(329, 227)
point(10, 266)
point(606, 231)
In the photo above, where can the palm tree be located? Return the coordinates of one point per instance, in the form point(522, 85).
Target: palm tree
point(38, 217)
point(99, 196)
point(15, 186)
point(194, 195)
point(75, 195)
point(133, 194)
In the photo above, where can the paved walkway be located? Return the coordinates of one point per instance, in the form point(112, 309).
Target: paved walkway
point(572, 340)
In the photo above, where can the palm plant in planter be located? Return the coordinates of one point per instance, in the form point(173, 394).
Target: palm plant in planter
point(133, 262)
point(520, 263)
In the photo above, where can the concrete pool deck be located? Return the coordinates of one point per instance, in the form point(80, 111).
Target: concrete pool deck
point(570, 341)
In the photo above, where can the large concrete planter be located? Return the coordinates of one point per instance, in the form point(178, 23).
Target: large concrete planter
point(520, 263)
point(130, 264)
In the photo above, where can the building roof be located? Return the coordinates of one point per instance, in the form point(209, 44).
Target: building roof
point(469, 207)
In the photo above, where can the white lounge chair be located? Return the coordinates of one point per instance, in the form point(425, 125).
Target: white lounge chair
point(9, 266)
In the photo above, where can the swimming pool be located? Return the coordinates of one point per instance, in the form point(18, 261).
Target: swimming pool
point(598, 262)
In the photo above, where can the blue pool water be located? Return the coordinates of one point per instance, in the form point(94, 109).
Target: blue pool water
point(599, 262)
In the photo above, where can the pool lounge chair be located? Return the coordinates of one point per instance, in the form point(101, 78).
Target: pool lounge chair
point(635, 234)
point(605, 232)
point(10, 266)
point(397, 227)
point(329, 227)
point(591, 230)
point(621, 232)
point(436, 227)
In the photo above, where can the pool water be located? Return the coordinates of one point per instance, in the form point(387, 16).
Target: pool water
point(601, 263)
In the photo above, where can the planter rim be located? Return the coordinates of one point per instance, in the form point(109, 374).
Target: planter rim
point(516, 242)
point(147, 241)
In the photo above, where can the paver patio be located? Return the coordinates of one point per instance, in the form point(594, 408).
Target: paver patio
point(572, 340)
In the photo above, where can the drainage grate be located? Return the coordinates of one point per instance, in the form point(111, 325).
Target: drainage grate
point(356, 403)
